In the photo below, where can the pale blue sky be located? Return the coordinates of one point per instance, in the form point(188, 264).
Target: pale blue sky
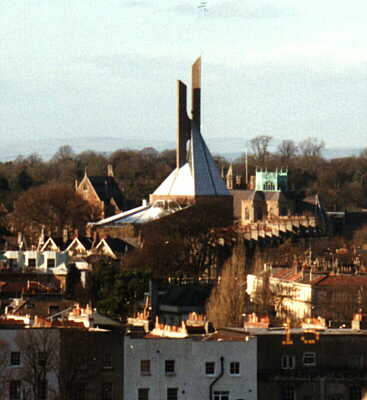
point(87, 68)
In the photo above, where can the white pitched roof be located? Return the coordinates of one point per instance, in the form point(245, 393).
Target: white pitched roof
point(198, 177)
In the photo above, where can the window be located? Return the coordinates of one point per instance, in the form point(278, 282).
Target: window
point(51, 263)
point(80, 392)
point(288, 361)
point(143, 394)
point(309, 359)
point(107, 361)
point(288, 393)
point(234, 368)
point(107, 391)
point(221, 395)
point(170, 367)
point(15, 358)
point(42, 389)
point(355, 361)
point(172, 394)
point(209, 368)
point(355, 393)
point(14, 390)
point(53, 309)
point(85, 187)
point(145, 367)
point(31, 262)
point(42, 358)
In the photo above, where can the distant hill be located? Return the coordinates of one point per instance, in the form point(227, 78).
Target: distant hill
point(229, 148)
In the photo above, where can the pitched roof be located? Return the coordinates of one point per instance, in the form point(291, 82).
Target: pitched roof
point(199, 176)
point(84, 241)
point(342, 280)
point(107, 188)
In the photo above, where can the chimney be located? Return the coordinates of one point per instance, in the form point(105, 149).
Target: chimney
point(229, 178)
point(65, 235)
point(110, 170)
point(252, 184)
point(153, 293)
point(76, 184)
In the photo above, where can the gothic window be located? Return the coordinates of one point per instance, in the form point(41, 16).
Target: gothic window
point(268, 185)
point(288, 361)
point(288, 393)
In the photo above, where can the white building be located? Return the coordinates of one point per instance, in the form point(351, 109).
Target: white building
point(27, 363)
point(38, 261)
point(190, 368)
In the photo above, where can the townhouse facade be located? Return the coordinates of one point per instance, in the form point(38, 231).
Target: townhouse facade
point(191, 367)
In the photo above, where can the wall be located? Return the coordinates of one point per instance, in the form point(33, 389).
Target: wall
point(190, 378)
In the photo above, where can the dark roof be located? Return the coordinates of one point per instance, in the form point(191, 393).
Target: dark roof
point(85, 241)
point(59, 241)
point(41, 308)
point(342, 280)
point(107, 188)
point(186, 296)
point(117, 245)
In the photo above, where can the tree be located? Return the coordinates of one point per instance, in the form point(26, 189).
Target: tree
point(115, 290)
point(189, 244)
point(311, 147)
point(5, 372)
point(287, 150)
point(55, 206)
point(24, 180)
point(227, 301)
point(64, 153)
point(259, 146)
point(40, 351)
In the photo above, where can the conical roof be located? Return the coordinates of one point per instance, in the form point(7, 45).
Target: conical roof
point(199, 176)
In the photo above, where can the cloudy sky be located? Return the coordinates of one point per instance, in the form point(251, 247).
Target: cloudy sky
point(107, 69)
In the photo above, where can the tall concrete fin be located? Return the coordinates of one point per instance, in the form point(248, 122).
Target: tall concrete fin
point(183, 124)
point(196, 92)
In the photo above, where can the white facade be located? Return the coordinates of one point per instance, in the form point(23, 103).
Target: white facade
point(292, 296)
point(18, 374)
point(190, 369)
point(44, 262)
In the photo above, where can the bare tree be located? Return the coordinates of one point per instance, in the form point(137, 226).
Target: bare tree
point(5, 373)
point(287, 150)
point(40, 351)
point(259, 146)
point(227, 301)
point(311, 147)
point(55, 206)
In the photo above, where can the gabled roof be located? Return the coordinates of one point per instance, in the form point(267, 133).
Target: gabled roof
point(83, 241)
point(115, 245)
point(57, 242)
point(199, 176)
point(107, 188)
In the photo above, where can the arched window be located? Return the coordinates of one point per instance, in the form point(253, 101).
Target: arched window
point(268, 185)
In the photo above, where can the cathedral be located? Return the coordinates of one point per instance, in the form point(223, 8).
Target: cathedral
point(195, 180)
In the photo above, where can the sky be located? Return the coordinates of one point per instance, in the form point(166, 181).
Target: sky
point(105, 71)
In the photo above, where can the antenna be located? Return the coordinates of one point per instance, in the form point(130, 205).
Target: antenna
point(246, 168)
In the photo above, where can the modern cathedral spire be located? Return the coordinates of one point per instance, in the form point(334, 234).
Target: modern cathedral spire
point(196, 177)
point(183, 121)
